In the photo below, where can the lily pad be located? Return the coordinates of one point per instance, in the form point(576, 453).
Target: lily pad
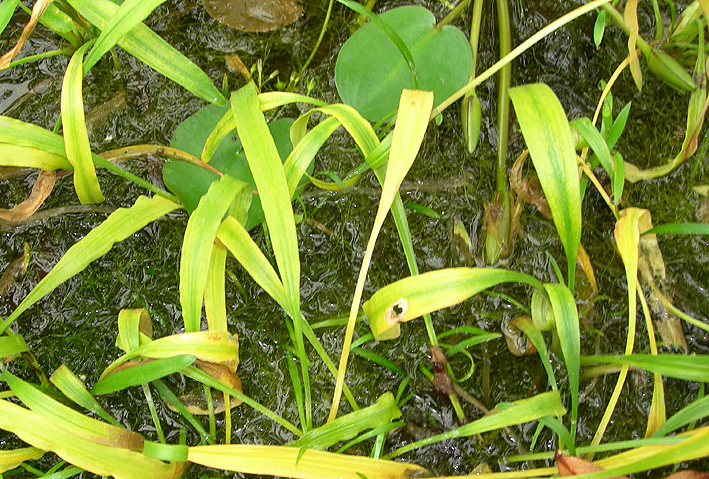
point(190, 182)
point(370, 71)
point(254, 15)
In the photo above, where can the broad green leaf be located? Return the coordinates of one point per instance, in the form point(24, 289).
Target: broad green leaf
point(292, 462)
point(13, 458)
point(141, 373)
point(128, 15)
point(197, 246)
point(508, 414)
point(73, 388)
point(240, 244)
point(190, 182)
point(414, 296)
point(97, 458)
point(688, 368)
point(148, 47)
point(567, 326)
point(76, 137)
point(411, 123)
point(25, 157)
point(214, 290)
point(121, 224)
point(214, 347)
point(548, 137)
point(371, 72)
point(383, 411)
point(71, 421)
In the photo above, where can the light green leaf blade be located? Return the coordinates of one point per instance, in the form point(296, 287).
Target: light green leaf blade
point(688, 368)
point(19, 133)
point(118, 226)
point(148, 47)
point(7, 8)
point(11, 345)
point(26, 157)
point(197, 245)
point(305, 150)
point(417, 295)
point(409, 130)
point(214, 290)
point(548, 136)
point(509, 414)
point(97, 458)
point(288, 462)
point(128, 15)
point(567, 325)
point(142, 373)
point(240, 244)
point(76, 137)
point(13, 458)
point(73, 388)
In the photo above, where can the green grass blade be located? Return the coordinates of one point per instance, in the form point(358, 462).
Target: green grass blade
point(680, 229)
point(411, 124)
point(74, 389)
point(24, 157)
point(13, 458)
point(270, 179)
point(688, 368)
point(213, 347)
point(214, 291)
point(76, 137)
point(148, 47)
point(240, 244)
point(12, 345)
point(417, 295)
point(71, 421)
point(97, 458)
point(518, 412)
point(197, 245)
point(694, 411)
point(142, 373)
point(128, 15)
point(121, 224)
point(567, 326)
point(383, 411)
point(594, 139)
point(548, 136)
point(19, 133)
point(305, 150)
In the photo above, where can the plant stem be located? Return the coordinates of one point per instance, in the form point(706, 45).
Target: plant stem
point(452, 15)
point(503, 97)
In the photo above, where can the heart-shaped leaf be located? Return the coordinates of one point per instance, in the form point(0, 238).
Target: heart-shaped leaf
point(371, 72)
point(190, 182)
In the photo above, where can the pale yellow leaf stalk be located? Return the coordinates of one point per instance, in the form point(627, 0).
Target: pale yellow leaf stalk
point(630, 16)
point(411, 123)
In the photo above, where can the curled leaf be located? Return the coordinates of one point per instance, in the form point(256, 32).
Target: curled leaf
point(39, 7)
point(40, 191)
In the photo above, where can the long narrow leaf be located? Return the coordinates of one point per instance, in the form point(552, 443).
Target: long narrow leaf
point(13, 458)
point(121, 224)
point(142, 373)
point(148, 47)
point(567, 325)
point(73, 388)
point(311, 464)
point(414, 296)
point(76, 137)
point(548, 136)
point(411, 123)
point(214, 290)
point(97, 458)
point(24, 157)
point(128, 15)
point(688, 368)
point(197, 245)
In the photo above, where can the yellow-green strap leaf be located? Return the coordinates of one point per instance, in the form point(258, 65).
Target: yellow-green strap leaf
point(142, 373)
point(12, 459)
point(76, 137)
point(199, 237)
point(73, 388)
point(121, 224)
point(25, 157)
point(214, 291)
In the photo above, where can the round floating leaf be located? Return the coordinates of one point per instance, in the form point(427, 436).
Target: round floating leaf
point(189, 182)
point(370, 72)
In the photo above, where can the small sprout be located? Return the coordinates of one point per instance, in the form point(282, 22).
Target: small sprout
point(516, 342)
point(471, 118)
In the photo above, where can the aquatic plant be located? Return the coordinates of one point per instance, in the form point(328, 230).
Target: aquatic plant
point(239, 156)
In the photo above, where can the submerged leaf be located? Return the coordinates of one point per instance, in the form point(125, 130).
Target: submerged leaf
point(254, 15)
point(40, 191)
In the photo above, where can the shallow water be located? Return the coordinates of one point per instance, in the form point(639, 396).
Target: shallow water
point(76, 324)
